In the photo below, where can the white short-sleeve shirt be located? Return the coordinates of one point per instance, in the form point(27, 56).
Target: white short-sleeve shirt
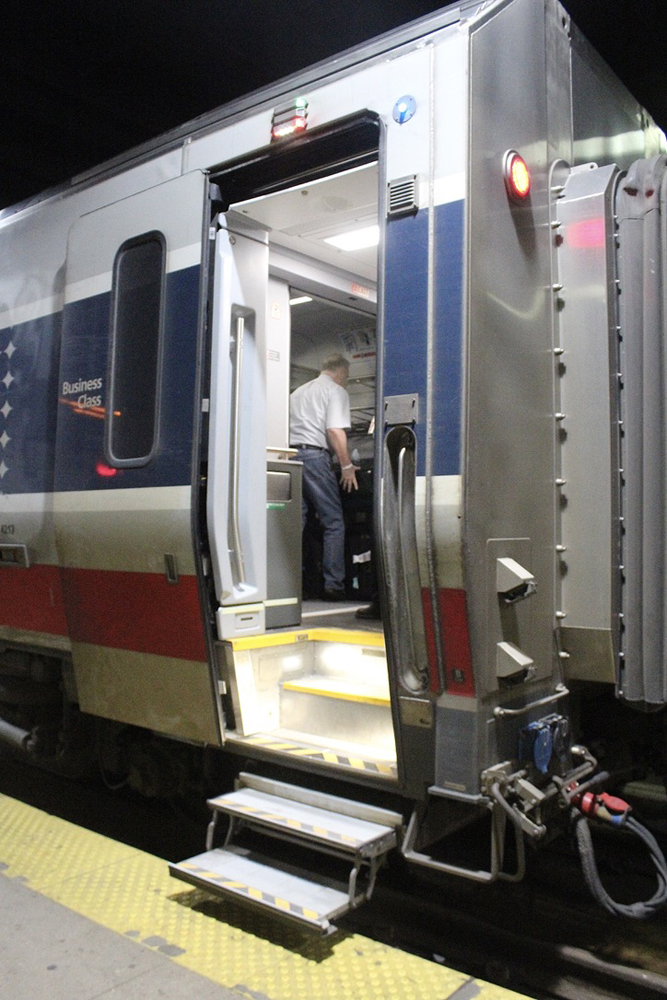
point(315, 407)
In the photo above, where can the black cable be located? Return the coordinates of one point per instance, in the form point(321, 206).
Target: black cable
point(639, 910)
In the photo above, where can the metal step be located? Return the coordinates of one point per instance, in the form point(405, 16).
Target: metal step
point(359, 833)
point(226, 873)
point(343, 708)
point(300, 814)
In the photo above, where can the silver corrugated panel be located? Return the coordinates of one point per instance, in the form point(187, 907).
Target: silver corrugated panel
point(642, 444)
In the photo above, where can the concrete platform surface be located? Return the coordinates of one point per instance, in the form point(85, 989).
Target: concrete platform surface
point(48, 952)
point(85, 917)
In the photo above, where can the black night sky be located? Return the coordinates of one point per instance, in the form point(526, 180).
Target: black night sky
point(84, 80)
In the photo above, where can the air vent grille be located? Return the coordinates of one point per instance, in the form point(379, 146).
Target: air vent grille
point(403, 196)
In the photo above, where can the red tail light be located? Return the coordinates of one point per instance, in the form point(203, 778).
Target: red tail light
point(517, 176)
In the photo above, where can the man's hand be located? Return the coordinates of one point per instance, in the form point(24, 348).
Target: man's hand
point(348, 478)
point(348, 471)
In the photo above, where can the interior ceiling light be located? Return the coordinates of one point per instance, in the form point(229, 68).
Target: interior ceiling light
point(356, 239)
point(300, 299)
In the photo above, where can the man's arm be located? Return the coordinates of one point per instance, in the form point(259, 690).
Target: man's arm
point(338, 441)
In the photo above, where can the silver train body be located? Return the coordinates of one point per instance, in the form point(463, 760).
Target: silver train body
point(507, 356)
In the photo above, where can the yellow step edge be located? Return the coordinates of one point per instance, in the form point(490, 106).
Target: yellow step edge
point(355, 637)
point(324, 690)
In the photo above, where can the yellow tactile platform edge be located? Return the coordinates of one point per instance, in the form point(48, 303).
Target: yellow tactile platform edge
point(131, 893)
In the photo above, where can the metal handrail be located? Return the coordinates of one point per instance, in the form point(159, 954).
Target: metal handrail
point(236, 550)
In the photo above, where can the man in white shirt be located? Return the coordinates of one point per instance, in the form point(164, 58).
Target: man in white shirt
point(319, 420)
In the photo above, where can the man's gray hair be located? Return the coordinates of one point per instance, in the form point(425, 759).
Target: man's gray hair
point(335, 363)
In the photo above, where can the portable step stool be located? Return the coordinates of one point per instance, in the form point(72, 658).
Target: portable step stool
point(346, 829)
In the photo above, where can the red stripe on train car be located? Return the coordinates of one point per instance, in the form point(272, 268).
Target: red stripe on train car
point(32, 600)
point(140, 612)
point(455, 641)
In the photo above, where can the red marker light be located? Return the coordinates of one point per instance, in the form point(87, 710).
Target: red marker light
point(105, 470)
point(289, 118)
point(517, 176)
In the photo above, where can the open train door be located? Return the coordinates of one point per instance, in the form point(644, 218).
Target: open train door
point(128, 426)
point(237, 492)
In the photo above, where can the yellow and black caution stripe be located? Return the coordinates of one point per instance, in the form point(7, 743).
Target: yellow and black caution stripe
point(295, 824)
point(383, 768)
point(251, 892)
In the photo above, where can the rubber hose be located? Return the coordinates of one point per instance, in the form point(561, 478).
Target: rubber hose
point(639, 910)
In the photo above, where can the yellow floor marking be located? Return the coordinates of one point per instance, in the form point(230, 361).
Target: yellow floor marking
point(131, 893)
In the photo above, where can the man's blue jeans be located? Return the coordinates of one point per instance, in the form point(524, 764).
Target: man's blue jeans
point(321, 492)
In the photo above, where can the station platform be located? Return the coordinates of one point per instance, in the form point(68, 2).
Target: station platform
point(86, 917)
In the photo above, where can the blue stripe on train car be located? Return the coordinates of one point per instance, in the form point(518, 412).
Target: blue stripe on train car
point(405, 357)
point(28, 388)
point(80, 458)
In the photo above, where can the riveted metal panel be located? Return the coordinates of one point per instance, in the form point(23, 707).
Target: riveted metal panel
point(641, 479)
point(508, 491)
point(586, 318)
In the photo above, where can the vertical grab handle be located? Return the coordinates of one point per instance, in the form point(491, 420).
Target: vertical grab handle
point(399, 548)
point(238, 321)
point(236, 464)
point(407, 547)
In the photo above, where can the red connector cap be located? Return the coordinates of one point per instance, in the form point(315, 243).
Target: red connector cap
point(603, 806)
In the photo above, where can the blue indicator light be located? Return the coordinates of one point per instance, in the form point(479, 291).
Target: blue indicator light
point(404, 109)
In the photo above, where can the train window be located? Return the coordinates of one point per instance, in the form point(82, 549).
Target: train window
point(137, 316)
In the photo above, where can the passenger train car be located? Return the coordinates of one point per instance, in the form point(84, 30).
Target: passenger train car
point(503, 313)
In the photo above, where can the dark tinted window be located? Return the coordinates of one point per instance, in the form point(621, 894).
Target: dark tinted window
point(136, 334)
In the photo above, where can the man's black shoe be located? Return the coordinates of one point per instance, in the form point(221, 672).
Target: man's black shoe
point(333, 595)
point(371, 612)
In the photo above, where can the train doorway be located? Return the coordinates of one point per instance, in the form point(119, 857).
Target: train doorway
point(295, 278)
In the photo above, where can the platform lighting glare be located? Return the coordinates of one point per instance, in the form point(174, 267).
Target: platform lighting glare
point(299, 300)
point(357, 239)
